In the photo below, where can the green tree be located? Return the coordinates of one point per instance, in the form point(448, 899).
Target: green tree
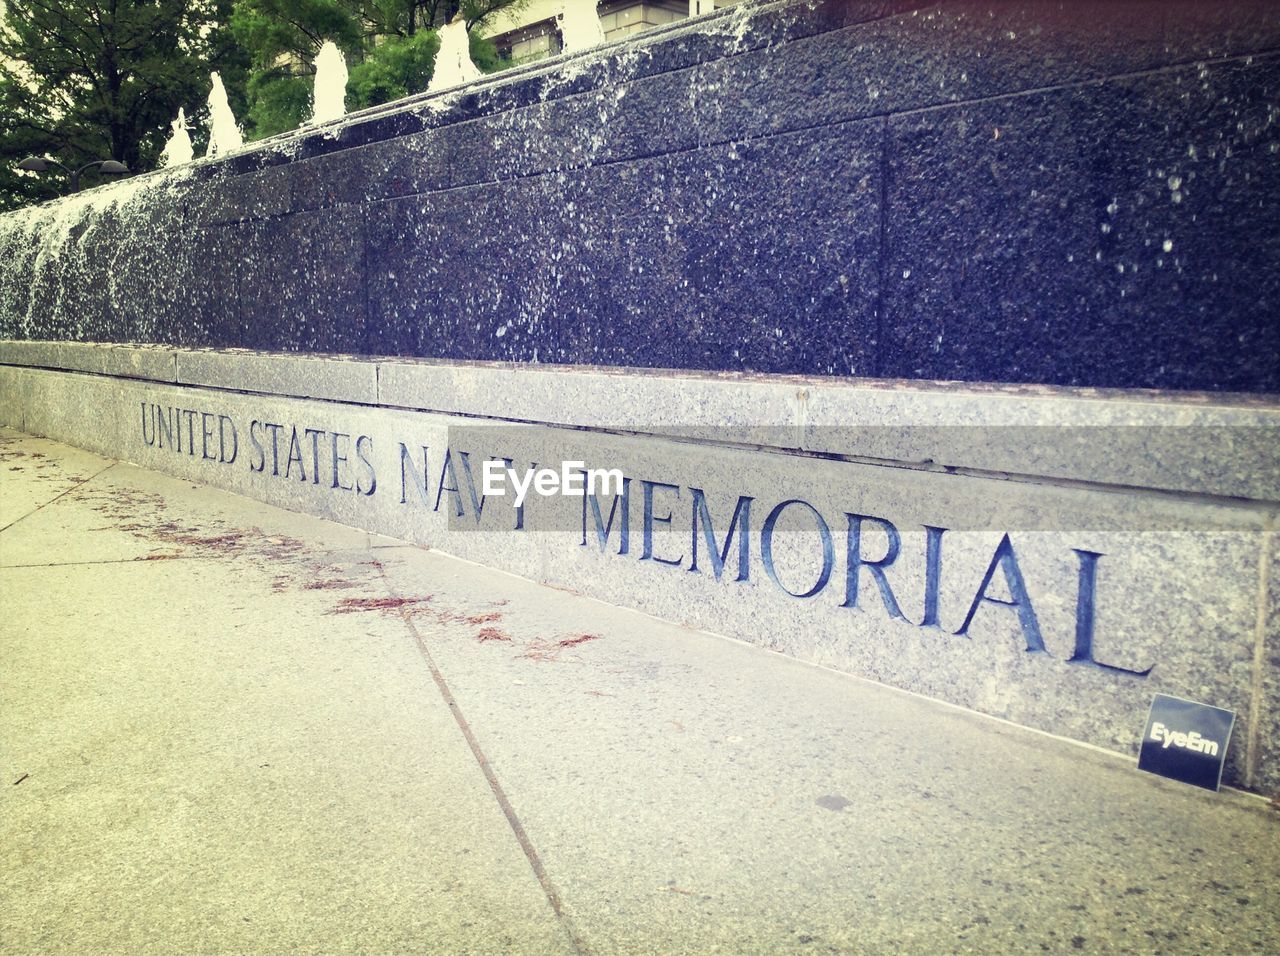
point(475, 12)
point(396, 67)
point(82, 80)
point(390, 47)
point(282, 38)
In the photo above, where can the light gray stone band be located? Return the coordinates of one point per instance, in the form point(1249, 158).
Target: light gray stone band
point(1225, 446)
point(1057, 604)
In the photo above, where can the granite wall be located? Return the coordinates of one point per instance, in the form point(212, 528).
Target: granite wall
point(1065, 193)
point(1053, 557)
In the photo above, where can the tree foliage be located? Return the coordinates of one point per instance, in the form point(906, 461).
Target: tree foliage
point(390, 47)
point(82, 80)
point(398, 66)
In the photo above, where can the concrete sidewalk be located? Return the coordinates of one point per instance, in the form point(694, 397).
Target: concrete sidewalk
point(230, 728)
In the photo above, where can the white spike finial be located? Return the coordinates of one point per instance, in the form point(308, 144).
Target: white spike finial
point(177, 149)
point(224, 132)
point(580, 28)
point(329, 99)
point(453, 61)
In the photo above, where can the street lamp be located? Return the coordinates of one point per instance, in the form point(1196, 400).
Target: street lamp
point(41, 164)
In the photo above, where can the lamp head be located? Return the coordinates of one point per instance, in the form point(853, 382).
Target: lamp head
point(113, 167)
point(34, 164)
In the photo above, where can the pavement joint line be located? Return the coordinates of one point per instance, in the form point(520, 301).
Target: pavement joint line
point(179, 557)
point(142, 560)
point(75, 487)
point(522, 837)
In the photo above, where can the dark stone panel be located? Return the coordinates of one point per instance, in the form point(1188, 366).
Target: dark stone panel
point(737, 30)
point(390, 123)
point(711, 197)
point(173, 284)
point(356, 131)
point(972, 50)
point(93, 272)
point(923, 58)
point(19, 249)
point(276, 152)
point(18, 252)
point(469, 273)
point(709, 87)
point(337, 179)
point(301, 282)
point(124, 275)
point(626, 247)
point(1217, 130)
point(709, 259)
point(864, 11)
point(199, 292)
point(252, 195)
point(505, 146)
point(655, 115)
point(988, 207)
point(641, 112)
point(758, 256)
point(1108, 235)
point(625, 121)
point(703, 260)
point(68, 274)
point(399, 167)
point(733, 30)
point(1196, 30)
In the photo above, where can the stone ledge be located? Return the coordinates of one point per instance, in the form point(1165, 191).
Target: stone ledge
point(334, 377)
point(156, 363)
point(1211, 444)
point(1119, 593)
point(1205, 444)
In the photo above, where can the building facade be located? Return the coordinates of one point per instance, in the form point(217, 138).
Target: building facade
point(530, 32)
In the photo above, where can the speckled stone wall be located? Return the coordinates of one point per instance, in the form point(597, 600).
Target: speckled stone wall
point(1065, 193)
point(1053, 557)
